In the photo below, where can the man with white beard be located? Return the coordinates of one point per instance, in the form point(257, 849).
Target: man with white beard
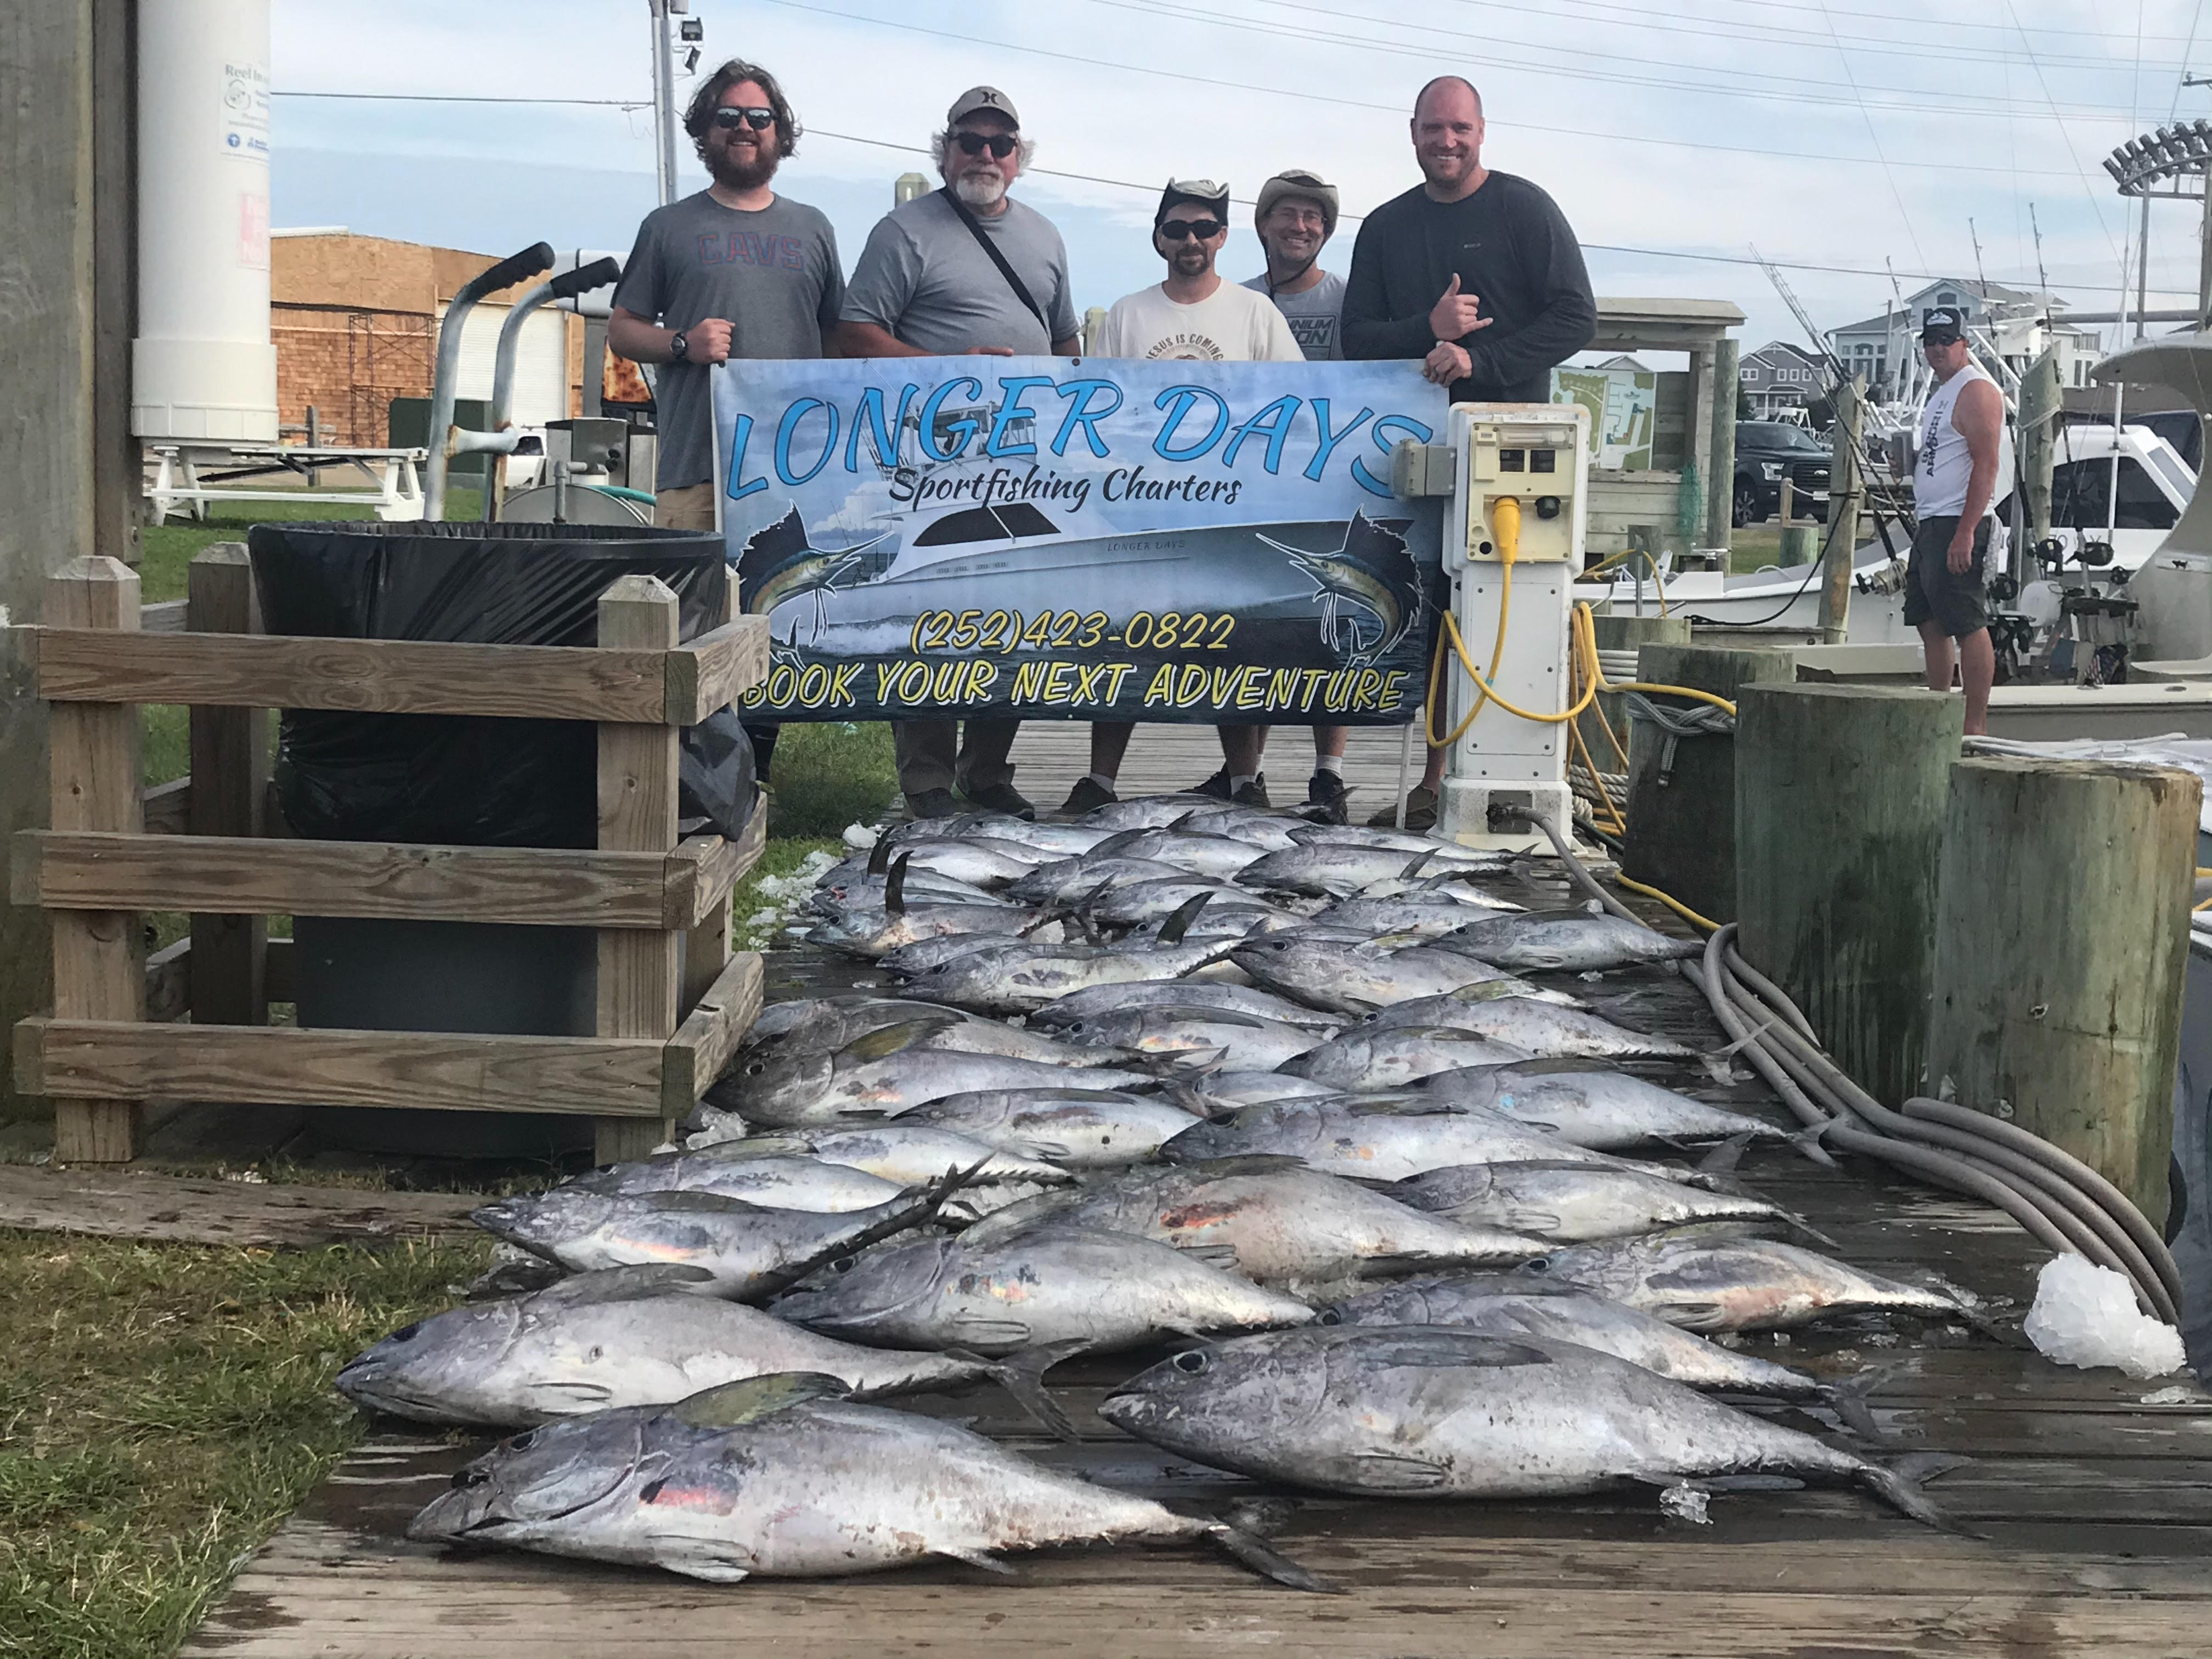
point(966, 269)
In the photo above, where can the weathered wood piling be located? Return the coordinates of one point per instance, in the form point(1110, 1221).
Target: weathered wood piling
point(1840, 793)
point(2062, 940)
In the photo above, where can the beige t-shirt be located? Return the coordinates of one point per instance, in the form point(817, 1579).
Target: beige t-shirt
point(1232, 324)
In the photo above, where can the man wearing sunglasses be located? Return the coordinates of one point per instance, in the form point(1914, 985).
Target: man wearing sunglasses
point(1479, 275)
point(966, 269)
point(1194, 314)
point(735, 271)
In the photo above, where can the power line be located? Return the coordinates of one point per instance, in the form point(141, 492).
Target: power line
point(1889, 173)
point(1952, 168)
point(1149, 190)
point(1595, 247)
point(1788, 89)
point(1924, 20)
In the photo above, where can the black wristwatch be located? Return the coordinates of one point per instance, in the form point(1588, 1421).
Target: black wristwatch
point(679, 348)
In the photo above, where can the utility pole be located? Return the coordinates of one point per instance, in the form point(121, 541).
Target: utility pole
point(664, 94)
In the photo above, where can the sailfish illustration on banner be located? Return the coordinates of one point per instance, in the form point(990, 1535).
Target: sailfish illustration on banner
point(780, 563)
point(1371, 572)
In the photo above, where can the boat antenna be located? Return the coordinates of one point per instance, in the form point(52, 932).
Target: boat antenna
point(2042, 281)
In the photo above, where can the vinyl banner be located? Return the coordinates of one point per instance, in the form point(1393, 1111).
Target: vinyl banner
point(1080, 539)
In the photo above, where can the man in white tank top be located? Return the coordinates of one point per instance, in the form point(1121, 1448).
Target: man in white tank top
point(1965, 451)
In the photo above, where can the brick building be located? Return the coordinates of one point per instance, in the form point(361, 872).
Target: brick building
point(355, 320)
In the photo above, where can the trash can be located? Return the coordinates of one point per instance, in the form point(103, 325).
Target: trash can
point(467, 780)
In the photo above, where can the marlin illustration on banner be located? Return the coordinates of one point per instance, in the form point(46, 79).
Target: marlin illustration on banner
point(778, 562)
point(1371, 571)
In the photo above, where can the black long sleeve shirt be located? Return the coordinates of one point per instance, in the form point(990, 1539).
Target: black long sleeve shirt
point(1510, 246)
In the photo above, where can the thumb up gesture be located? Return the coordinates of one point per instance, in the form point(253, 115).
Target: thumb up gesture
point(1456, 313)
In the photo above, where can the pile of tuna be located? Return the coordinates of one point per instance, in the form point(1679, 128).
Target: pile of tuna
point(1273, 1097)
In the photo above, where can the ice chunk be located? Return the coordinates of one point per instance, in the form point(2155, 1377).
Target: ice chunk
point(860, 838)
point(2085, 1315)
point(2174, 1396)
point(1686, 1502)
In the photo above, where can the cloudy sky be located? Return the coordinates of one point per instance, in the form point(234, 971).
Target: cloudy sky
point(1839, 139)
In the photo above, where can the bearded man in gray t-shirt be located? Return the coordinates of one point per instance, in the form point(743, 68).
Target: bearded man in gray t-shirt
point(926, 288)
point(734, 271)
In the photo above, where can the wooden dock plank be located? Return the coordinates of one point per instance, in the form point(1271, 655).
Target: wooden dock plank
point(2097, 1507)
point(117, 1204)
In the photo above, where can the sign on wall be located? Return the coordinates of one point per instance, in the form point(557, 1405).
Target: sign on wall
point(1080, 539)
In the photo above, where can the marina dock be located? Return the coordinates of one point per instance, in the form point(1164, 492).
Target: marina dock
point(2091, 1493)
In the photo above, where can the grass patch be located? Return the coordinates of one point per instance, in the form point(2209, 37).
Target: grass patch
point(166, 550)
point(831, 775)
point(163, 1407)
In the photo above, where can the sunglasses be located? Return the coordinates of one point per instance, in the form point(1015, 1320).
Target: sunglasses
point(1177, 230)
point(1000, 144)
point(729, 118)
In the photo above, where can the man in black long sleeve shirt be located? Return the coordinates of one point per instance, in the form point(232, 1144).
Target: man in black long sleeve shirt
point(1477, 274)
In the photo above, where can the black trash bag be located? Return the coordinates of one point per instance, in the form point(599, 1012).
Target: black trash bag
point(475, 781)
point(715, 778)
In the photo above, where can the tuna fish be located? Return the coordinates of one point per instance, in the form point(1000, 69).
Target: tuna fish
point(1532, 1026)
point(781, 1182)
point(625, 1337)
point(1591, 1104)
point(888, 1071)
point(1271, 1219)
point(1240, 1041)
point(776, 1477)
point(751, 1251)
point(1068, 880)
point(1707, 1284)
point(1576, 1203)
point(1041, 1287)
point(1075, 1128)
point(1194, 994)
point(1423, 1410)
point(1357, 979)
point(1566, 942)
point(1396, 1056)
point(1381, 1139)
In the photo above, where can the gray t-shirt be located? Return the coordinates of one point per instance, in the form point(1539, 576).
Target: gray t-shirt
point(1314, 316)
point(924, 280)
point(773, 275)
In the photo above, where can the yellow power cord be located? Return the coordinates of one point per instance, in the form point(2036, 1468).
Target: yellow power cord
point(1582, 658)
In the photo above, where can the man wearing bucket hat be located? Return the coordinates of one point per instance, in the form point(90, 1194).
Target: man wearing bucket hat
point(1964, 450)
point(1194, 314)
point(968, 270)
point(1294, 218)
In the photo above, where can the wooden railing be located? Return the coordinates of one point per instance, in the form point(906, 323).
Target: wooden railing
point(192, 1023)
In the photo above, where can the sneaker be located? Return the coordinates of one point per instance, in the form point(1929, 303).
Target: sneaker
point(1420, 811)
point(1253, 794)
point(1326, 790)
point(1088, 795)
point(1217, 786)
point(932, 804)
point(1001, 797)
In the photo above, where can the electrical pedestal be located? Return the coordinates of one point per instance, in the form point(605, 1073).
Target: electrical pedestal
point(1512, 545)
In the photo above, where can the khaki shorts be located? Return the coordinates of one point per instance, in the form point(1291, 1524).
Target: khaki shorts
point(691, 508)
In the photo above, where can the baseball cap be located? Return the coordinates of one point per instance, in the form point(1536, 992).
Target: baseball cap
point(1203, 191)
point(1942, 324)
point(1296, 181)
point(988, 99)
